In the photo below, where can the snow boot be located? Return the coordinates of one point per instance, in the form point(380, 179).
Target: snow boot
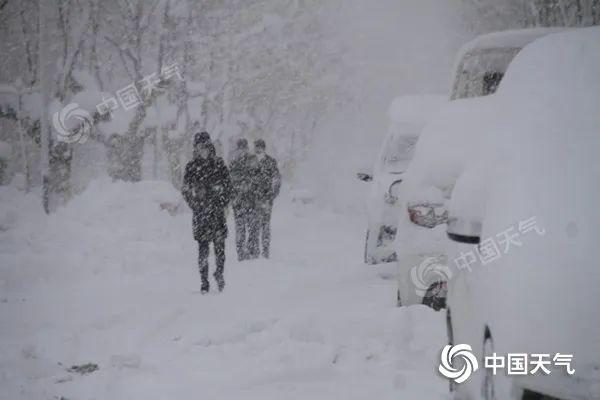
point(204, 288)
point(220, 281)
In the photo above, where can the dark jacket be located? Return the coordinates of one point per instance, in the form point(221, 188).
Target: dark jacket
point(207, 190)
point(267, 179)
point(243, 170)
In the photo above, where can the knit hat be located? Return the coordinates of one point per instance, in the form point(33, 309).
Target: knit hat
point(202, 138)
point(242, 144)
point(260, 144)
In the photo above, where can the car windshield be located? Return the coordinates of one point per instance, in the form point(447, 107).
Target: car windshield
point(481, 71)
point(398, 152)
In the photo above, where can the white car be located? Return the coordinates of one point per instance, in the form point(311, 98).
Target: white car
point(529, 199)
point(480, 67)
point(408, 115)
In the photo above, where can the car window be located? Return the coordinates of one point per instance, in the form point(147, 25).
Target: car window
point(480, 72)
point(491, 80)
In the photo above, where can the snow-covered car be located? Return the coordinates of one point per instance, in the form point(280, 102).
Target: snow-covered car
point(407, 116)
point(530, 202)
point(447, 142)
point(480, 67)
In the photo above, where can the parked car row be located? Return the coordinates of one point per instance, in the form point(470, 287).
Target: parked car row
point(407, 117)
point(480, 66)
point(497, 211)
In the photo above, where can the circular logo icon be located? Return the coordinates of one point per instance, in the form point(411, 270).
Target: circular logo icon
point(458, 362)
point(431, 270)
point(73, 124)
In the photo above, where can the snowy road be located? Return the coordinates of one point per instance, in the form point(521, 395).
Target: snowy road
point(116, 285)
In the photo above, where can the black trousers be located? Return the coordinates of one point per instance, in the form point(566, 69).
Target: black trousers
point(203, 249)
point(243, 216)
point(261, 229)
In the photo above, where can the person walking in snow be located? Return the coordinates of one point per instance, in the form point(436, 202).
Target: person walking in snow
point(207, 190)
point(242, 170)
point(267, 182)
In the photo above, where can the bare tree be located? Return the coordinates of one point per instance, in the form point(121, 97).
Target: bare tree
point(131, 33)
point(491, 15)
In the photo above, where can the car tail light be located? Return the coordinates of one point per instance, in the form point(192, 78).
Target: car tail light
point(413, 215)
point(427, 215)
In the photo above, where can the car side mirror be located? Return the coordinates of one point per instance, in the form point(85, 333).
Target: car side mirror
point(365, 177)
point(391, 196)
point(464, 230)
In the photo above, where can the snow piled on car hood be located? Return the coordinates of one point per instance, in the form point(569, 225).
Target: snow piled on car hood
point(416, 109)
point(556, 73)
point(446, 145)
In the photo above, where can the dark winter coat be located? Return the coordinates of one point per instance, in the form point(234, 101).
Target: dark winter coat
point(207, 190)
point(242, 171)
point(267, 180)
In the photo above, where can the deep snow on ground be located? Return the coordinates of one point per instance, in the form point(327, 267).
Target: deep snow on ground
point(111, 279)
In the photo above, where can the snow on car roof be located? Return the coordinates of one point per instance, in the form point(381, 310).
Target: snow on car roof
point(512, 39)
point(416, 108)
point(517, 38)
point(556, 80)
point(551, 88)
point(448, 142)
point(544, 114)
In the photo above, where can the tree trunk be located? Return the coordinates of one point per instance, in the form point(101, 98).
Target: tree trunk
point(46, 71)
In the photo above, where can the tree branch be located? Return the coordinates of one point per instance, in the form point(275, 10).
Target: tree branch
point(122, 55)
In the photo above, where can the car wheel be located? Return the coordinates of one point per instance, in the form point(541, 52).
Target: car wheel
point(529, 395)
point(488, 386)
point(433, 298)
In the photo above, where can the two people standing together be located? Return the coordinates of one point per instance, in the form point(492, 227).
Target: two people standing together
point(251, 185)
point(256, 181)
